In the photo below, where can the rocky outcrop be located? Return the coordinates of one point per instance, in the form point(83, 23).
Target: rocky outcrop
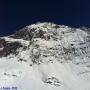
point(53, 81)
point(8, 47)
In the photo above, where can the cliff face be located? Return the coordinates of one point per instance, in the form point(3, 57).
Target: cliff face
point(48, 56)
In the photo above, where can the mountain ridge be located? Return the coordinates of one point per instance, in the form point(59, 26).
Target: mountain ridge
point(48, 56)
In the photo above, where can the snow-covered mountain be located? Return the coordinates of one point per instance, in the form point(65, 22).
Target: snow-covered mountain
point(46, 56)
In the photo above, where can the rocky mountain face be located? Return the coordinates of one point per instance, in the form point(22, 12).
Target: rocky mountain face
point(46, 56)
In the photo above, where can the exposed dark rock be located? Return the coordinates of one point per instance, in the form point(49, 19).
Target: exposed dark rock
point(30, 65)
point(28, 34)
point(22, 60)
point(8, 47)
point(56, 26)
point(23, 34)
point(25, 47)
point(53, 81)
point(14, 75)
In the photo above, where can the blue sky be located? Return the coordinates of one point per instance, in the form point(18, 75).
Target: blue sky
point(15, 14)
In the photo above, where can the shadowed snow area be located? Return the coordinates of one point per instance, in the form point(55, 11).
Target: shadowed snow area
point(46, 56)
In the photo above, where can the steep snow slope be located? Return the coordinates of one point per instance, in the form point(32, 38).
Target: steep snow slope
point(46, 56)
